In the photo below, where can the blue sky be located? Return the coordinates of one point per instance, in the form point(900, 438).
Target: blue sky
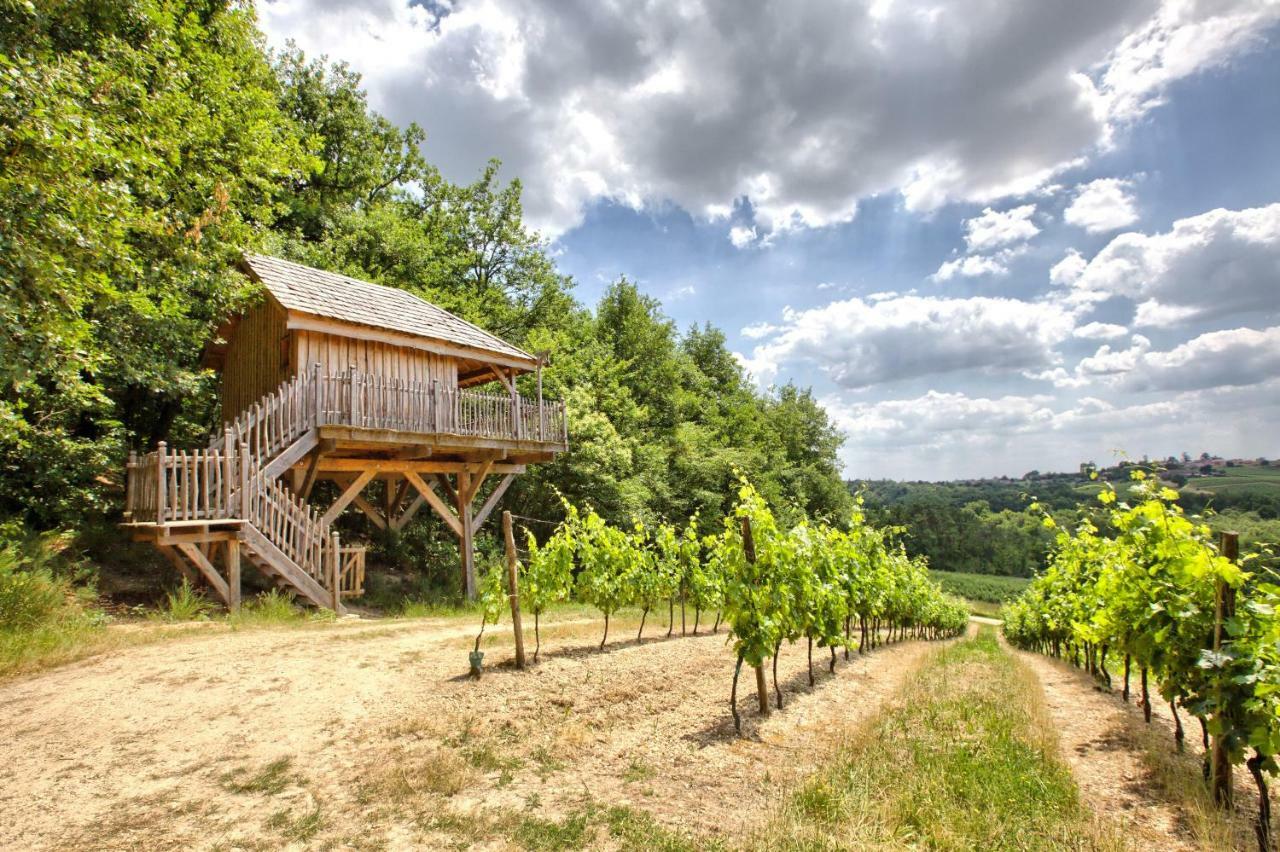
point(993, 236)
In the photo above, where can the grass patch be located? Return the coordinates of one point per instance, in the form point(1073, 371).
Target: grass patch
point(275, 608)
point(50, 644)
point(549, 835)
point(297, 829)
point(185, 604)
point(628, 829)
point(417, 780)
point(963, 758)
point(638, 771)
point(271, 780)
point(637, 831)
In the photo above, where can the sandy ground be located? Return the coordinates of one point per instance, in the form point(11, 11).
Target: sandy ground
point(1110, 751)
point(380, 741)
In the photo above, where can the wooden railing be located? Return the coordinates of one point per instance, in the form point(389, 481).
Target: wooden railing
point(289, 522)
point(351, 571)
point(168, 486)
point(227, 480)
point(369, 401)
point(274, 422)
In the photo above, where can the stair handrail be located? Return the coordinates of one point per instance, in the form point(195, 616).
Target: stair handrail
point(287, 521)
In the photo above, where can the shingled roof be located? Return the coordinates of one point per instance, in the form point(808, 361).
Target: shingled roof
point(338, 297)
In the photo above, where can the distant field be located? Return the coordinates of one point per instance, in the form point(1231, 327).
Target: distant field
point(1239, 480)
point(987, 588)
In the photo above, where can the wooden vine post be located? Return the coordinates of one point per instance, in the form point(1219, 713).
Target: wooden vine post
point(1220, 759)
point(512, 585)
point(762, 685)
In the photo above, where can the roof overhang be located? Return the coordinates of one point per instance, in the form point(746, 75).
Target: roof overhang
point(296, 320)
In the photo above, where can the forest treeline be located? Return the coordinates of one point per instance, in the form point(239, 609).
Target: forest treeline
point(984, 526)
point(147, 144)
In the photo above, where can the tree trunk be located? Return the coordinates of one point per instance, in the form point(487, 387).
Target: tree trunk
point(1127, 658)
point(697, 614)
point(640, 633)
point(537, 640)
point(605, 638)
point(1178, 734)
point(776, 690)
point(1263, 828)
point(733, 697)
point(716, 627)
point(762, 689)
point(810, 661)
point(671, 615)
point(682, 630)
point(848, 631)
point(833, 658)
point(1146, 697)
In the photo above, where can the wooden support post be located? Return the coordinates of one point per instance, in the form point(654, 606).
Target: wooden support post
point(494, 496)
point(350, 493)
point(762, 685)
point(433, 499)
point(193, 552)
point(1220, 759)
point(175, 559)
point(466, 531)
point(309, 477)
point(335, 573)
point(513, 587)
point(391, 497)
point(160, 471)
point(232, 554)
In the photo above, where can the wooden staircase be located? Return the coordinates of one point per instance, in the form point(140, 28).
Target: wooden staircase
point(205, 508)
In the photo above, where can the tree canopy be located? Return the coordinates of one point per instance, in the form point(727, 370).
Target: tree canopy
point(147, 144)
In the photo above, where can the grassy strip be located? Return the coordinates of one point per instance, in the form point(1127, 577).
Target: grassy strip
point(991, 588)
point(963, 758)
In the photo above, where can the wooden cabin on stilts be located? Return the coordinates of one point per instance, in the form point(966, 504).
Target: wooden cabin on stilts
point(370, 387)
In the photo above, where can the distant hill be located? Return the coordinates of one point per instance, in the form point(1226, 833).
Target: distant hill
point(981, 525)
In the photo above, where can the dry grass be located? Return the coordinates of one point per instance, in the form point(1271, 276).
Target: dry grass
point(1179, 778)
point(964, 758)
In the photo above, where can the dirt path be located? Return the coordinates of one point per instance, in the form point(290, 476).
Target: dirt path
point(1130, 773)
point(370, 736)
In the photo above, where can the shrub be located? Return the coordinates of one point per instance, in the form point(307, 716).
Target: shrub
point(27, 598)
point(186, 604)
point(36, 582)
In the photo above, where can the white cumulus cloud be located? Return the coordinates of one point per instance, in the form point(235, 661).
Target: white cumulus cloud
point(1100, 331)
point(1102, 205)
point(1219, 263)
point(994, 229)
point(804, 108)
point(858, 343)
point(741, 236)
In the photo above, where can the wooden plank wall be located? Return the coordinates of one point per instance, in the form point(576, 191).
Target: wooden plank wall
point(259, 359)
point(256, 361)
point(336, 354)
